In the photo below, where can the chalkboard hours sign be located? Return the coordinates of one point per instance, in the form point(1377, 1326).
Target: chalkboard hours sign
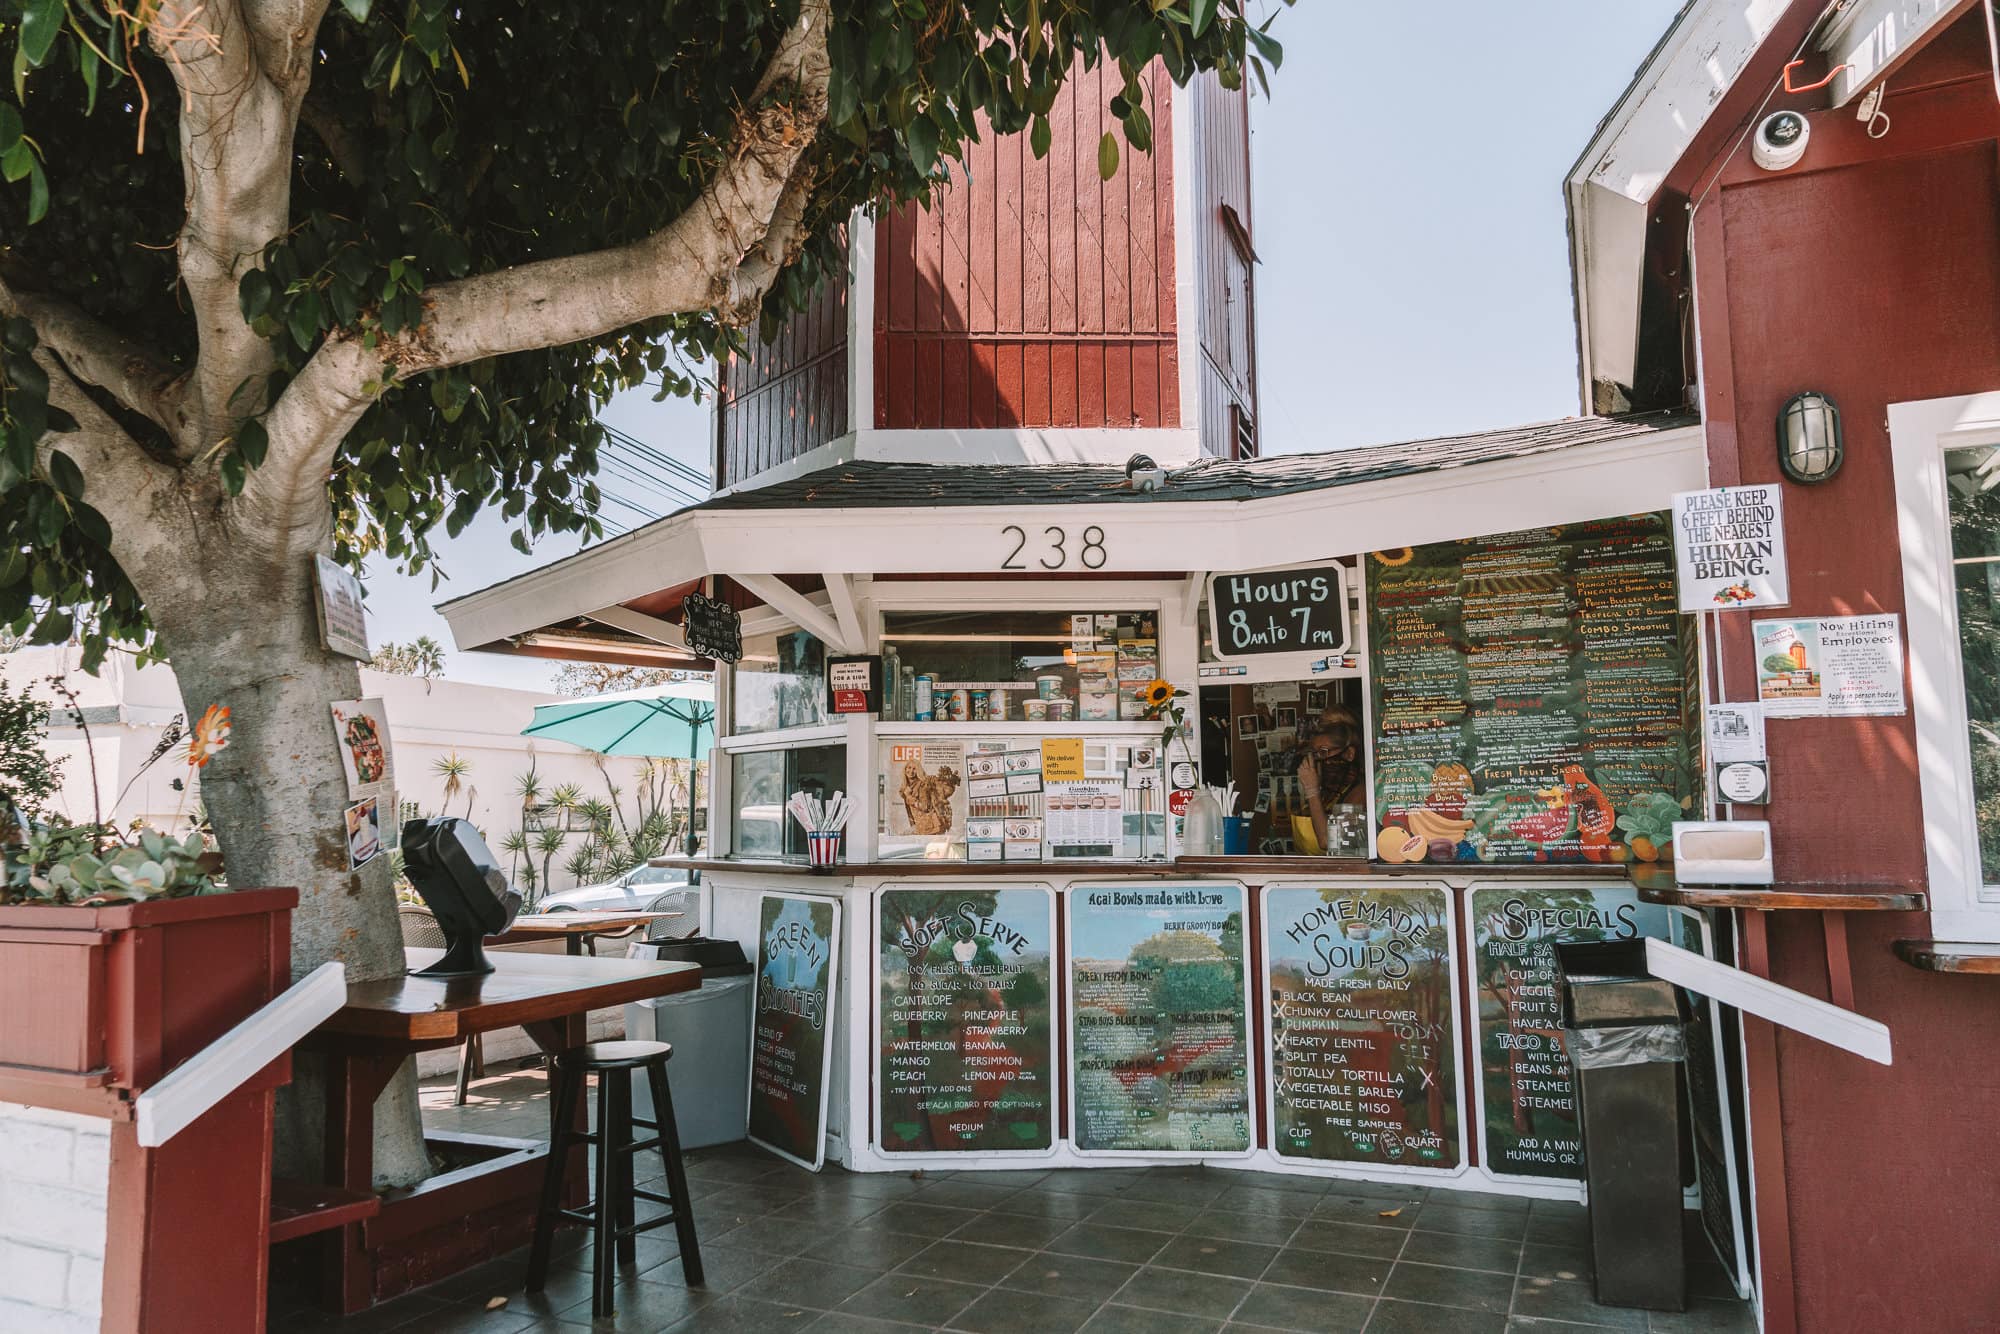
point(1261, 613)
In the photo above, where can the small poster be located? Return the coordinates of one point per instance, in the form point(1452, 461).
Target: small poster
point(364, 833)
point(1836, 666)
point(1062, 759)
point(1159, 1019)
point(343, 625)
point(1361, 991)
point(797, 964)
point(1738, 764)
point(361, 729)
point(965, 1046)
point(926, 797)
point(1084, 818)
point(853, 685)
point(1729, 548)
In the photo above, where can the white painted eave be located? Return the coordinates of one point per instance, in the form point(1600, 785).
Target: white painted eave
point(1871, 37)
point(1578, 483)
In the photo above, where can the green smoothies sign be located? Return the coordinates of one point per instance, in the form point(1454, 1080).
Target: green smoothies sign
point(1527, 1093)
point(798, 946)
point(1364, 1035)
point(1533, 696)
point(964, 1050)
point(1159, 1019)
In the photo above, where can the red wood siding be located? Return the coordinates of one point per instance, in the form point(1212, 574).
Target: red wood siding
point(1219, 160)
point(1871, 272)
point(780, 399)
point(1031, 293)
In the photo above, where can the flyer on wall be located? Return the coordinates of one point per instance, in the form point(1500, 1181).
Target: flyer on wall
point(1836, 666)
point(926, 798)
point(1729, 548)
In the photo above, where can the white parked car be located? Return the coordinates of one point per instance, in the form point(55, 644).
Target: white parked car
point(635, 890)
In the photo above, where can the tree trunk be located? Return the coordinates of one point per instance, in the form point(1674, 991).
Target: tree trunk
point(242, 633)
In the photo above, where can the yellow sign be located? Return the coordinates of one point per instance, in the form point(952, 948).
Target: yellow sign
point(1062, 759)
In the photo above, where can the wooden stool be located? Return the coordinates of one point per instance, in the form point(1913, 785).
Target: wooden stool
point(610, 1212)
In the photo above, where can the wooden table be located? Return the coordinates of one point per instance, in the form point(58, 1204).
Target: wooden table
point(384, 1023)
point(573, 927)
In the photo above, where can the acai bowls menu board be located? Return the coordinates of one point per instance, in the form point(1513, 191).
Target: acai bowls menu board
point(1533, 696)
point(1527, 1096)
point(965, 1044)
point(1362, 1007)
point(1159, 1019)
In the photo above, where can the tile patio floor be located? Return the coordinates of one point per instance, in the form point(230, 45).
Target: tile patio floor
point(1161, 1250)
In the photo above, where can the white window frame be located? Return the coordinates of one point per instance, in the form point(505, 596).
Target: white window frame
point(1963, 906)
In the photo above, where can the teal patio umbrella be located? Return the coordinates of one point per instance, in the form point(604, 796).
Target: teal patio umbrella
point(652, 723)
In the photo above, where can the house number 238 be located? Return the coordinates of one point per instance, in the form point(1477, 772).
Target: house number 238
point(1055, 549)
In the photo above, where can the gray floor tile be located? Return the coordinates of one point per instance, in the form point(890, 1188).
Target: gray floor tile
point(1132, 1320)
point(913, 1300)
point(740, 1315)
point(1436, 1217)
point(1213, 1255)
point(869, 1246)
point(776, 1233)
point(1463, 1252)
point(1277, 1306)
point(1070, 1276)
point(1705, 1316)
point(814, 1284)
point(645, 1305)
point(954, 1193)
point(724, 1269)
point(1350, 1239)
point(1180, 1291)
point(1440, 1286)
point(1393, 1317)
point(1570, 1262)
point(1327, 1272)
point(964, 1262)
point(1109, 1243)
point(1276, 1203)
point(1367, 1211)
point(1019, 1230)
point(923, 1220)
point(1043, 1202)
point(1269, 1229)
point(843, 1322)
point(1004, 1311)
point(1573, 1301)
point(1125, 1210)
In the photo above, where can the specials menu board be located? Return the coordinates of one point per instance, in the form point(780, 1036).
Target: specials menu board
point(1527, 1092)
point(797, 941)
point(1533, 696)
point(1364, 1041)
point(1159, 1019)
point(965, 1049)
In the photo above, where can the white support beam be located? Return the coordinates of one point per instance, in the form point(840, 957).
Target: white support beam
point(222, 1067)
point(1191, 597)
point(1784, 1007)
point(840, 597)
point(642, 625)
point(805, 613)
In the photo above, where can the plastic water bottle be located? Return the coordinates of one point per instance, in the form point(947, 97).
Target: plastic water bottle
point(1201, 831)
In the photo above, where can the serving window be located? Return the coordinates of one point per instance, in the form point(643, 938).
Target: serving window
point(779, 684)
point(1018, 666)
point(762, 781)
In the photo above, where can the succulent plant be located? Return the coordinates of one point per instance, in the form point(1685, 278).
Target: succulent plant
point(69, 864)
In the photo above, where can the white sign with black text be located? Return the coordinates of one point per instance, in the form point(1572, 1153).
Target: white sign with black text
point(1729, 546)
point(1738, 764)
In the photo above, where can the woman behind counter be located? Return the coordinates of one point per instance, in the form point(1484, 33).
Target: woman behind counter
point(1330, 769)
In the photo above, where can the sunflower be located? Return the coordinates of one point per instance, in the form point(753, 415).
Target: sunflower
point(1158, 693)
point(1400, 556)
point(211, 734)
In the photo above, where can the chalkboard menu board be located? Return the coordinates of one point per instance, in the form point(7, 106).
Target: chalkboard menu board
point(1362, 997)
point(1263, 612)
point(1527, 1094)
point(1534, 696)
point(964, 1051)
point(798, 945)
point(1159, 1019)
point(712, 627)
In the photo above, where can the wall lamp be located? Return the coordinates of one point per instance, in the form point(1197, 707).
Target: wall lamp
point(1809, 444)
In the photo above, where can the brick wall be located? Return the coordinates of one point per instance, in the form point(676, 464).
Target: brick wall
point(53, 1172)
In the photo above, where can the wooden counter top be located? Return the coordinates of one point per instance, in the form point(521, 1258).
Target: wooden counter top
point(1234, 867)
point(916, 867)
point(1656, 884)
point(1950, 956)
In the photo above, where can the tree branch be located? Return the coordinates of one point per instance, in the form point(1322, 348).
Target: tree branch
point(242, 67)
point(120, 480)
point(98, 354)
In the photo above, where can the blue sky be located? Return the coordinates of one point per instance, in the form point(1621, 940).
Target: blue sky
point(1408, 211)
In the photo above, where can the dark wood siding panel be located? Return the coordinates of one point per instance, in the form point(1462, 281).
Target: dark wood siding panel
point(1032, 293)
point(1226, 285)
point(786, 397)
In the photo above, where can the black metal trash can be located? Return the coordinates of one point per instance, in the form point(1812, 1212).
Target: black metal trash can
point(1623, 1029)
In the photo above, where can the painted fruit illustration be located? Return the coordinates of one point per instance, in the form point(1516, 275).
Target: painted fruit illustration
point(965, 951)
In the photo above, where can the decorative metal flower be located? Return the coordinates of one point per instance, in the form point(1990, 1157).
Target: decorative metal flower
point(211, 734)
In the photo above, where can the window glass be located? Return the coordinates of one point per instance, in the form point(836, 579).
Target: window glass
point(764, 780)
point(1975, 547)
point(992, 799)
point(780, 683)
point(1018, 666)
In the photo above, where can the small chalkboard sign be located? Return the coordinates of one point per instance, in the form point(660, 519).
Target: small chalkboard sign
point(713, 628)
point(1262, 613)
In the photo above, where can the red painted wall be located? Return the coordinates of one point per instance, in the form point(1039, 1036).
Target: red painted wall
point(1870, 272)
point(1032, 293)
point(783, 398)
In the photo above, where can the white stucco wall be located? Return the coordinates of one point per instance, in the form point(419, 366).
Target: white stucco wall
point(54, 1168)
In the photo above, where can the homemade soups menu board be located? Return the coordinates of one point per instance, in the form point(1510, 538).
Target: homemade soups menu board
point(1159, 1015)
point(1532, 696)
point(964, 1050)
point(1364, 1039)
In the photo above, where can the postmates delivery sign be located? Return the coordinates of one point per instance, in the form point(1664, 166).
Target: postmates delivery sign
point(1729, 547)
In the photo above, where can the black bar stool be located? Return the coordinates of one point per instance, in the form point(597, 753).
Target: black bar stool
point(610, 1212)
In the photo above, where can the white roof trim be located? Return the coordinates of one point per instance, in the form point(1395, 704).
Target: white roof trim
point(1872, 36)
point(1612, 185)
point(1582, 482)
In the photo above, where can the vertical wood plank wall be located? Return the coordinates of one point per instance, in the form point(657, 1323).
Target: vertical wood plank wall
point(1219, 160)
point(1032, 293)
point(783, 398)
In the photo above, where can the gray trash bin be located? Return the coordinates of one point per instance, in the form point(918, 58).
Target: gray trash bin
point(1623, 1029)
point(710, 1031)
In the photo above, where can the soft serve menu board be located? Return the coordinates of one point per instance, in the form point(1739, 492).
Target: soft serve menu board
point(1527, 1094)
point(797, 942)
point(965, 1048)
point(1362, 1015)
point(1531, 696)
point(1159, 1019)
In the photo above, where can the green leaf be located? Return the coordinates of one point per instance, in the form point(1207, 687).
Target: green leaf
point(1199, 13)
point(521, 543)
point(233, 474)
point(253, 442)
point(41, 23)
point(1107, 156)
point(87, 65)
point(253, 293)
point(17, 162)
point(1039, 137)
point(922, 136)
point(1267, 46)
point(10, 126)
point(65, 476)
point(38, 194)
point(357, 9)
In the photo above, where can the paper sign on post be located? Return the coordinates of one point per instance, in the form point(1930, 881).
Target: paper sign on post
point(1729, 547)
point(1738, 764)
point(1062, 759)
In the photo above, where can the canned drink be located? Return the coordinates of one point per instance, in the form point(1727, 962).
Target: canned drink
point(958, 706)
point(1062, 710)
point(923, 698)
point(982, 705)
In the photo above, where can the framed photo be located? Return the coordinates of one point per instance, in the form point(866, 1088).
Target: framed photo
point(1246, 726)
point(1285, 715)
point(1318, 701)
